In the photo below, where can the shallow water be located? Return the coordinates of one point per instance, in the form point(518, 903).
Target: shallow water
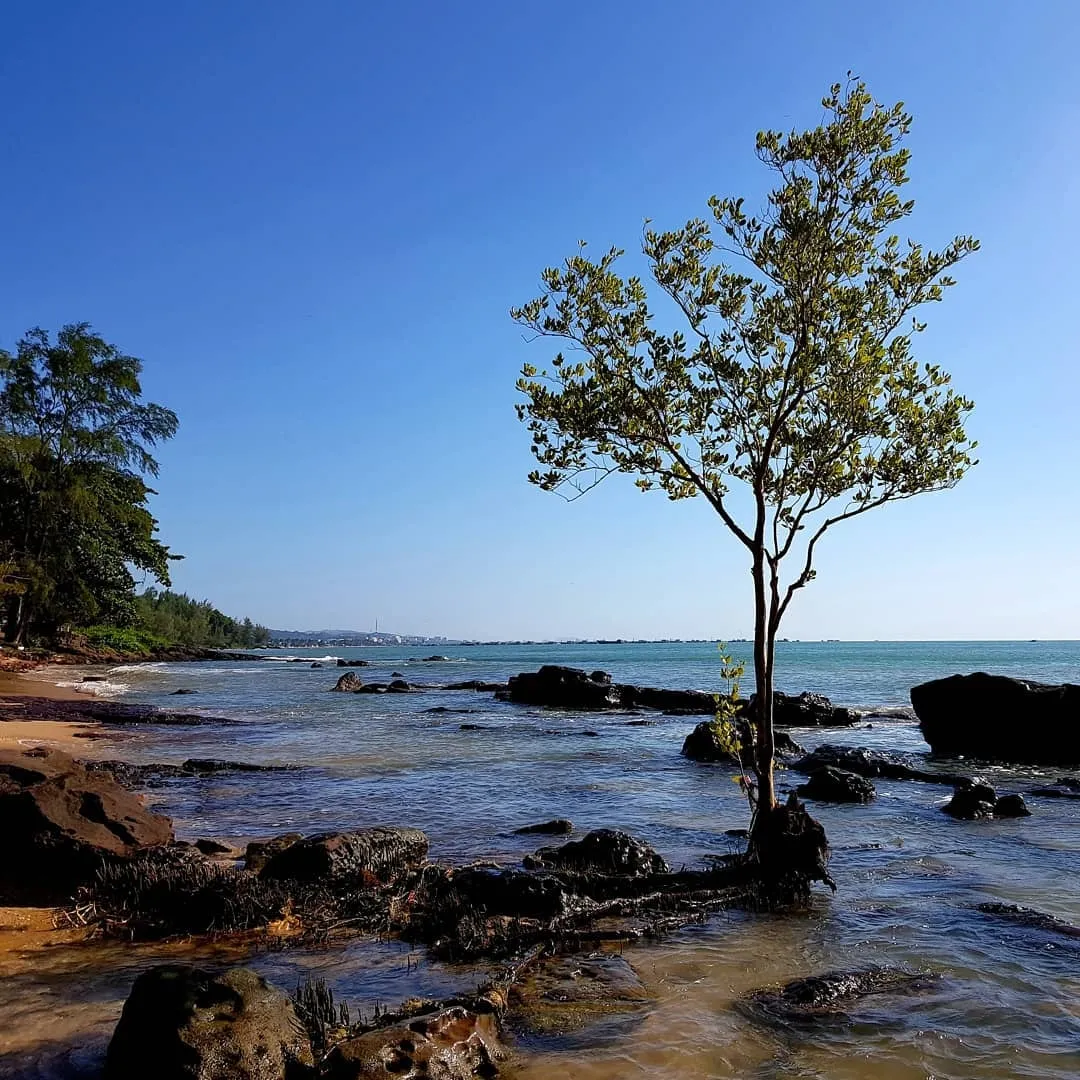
point(1007, 1000)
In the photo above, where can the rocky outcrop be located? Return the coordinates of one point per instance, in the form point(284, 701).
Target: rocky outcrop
point(827, 784)
point(602, 851)
point(184, 1023)
point(259, 852)
point(975, 799)
point(61, 822)
point(453, 1043)
point(382, 854)
point(807, 1000)
point(1029, 918)
point(353, 663)
point(101, 711)
point(997, 718)
point(806, 710)
point(562, 687)
point(134, 776)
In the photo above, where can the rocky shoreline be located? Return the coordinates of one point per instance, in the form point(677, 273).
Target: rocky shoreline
point(79, 838)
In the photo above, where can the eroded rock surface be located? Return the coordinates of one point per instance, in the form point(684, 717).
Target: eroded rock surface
point(827, 784)
point(602, 851)
point(382, 853)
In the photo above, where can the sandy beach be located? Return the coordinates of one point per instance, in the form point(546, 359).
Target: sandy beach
point(16, 732)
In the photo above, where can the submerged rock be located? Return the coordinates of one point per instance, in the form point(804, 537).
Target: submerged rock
point(807, 710)
point(602, 851)
point(836, 992)
point(455, 1043)
point(183, 1023)
point(382, 853)
point(555, 827)
point(60, 821)
point(1036, 920)
point(997, 718)
point(135, 776)
point(870, 763)
point(1009, 806)
point(567, 995)
point(827, 784)
point(353, 663)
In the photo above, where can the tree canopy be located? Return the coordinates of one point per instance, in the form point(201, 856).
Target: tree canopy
point(789, 395)
point(75, 448)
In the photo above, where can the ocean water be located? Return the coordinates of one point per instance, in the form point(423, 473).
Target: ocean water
point(1006, 1002)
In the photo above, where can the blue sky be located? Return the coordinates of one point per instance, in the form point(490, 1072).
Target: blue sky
point(311, 219)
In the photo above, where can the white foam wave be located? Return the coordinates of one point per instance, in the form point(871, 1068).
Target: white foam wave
point(104, 688)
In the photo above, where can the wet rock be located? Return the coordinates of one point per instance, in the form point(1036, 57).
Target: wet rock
point(871, 764)
point(95, 678)
point(60, 821)
point(472, 727)
point(478, 684)
point(706, 744)
point(1036, 920)
point(827, 784)
point(434, 660)
point(836, 992)
point(997, 718)
point(213, 847)
point(184, 690)
point(972, 800)
point(1011, 806)
point(316, 665)
point(349, 683)
point(381, 853)
point(567, 995)
point(792, 851)
point(602, 851)
point(1054, 793)
point(555, 827)
point(600, 676)
point(353, 663)
point(456, 1043)
point(677, 702)
point(133, 776)
point(806, 710)
point(183, 1023)
point(259, 852)
point(510, 892)
point(396, 675)
point(561, 687)
point(399, 686)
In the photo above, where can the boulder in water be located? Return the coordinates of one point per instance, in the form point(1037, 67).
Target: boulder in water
point(602, 851)
point(555, 827)
point(706, 744)
point(827, 784)
point(997, 718)
point(183, 1023)
point(349, 683)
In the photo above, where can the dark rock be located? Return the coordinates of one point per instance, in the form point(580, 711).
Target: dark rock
point(806, 710)
point(184, 690)
point(792, 851)
point(396, 675)
point(1036, 920)
point(827, 784)
point(61, 821)
point(472, 727)
point(434, 660)
point(511, 892)
point(183, 1023)
point(134, 776)
point(824, 995)
point(212, 847)
point(602, 851)
point(705, 744)
point(353, 663)
point(103, 711)
point(871, 764)
point(382, 853)
point(259, 852)
point(1054, 793)
point(1072, 782)
point(561, 687)
point(680, 702)
point(399, 686)
point(555, 827)
point(1011, 806)
point(997, 718)
point(568, 994)
point(456, 1043)
point(349, 683)
point(372, 688)
point(478, 684)
point(972, 800)
point(316, 665)
point(600, 676)
point(95, 678)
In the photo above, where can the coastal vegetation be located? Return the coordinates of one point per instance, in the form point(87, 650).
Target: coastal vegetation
point(75, 526)
point(790, 397)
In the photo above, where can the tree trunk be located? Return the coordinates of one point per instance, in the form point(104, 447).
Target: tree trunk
point(764, 742)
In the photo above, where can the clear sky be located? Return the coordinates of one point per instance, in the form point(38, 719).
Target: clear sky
point(311, 219)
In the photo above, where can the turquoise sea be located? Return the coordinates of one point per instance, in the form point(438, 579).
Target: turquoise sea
point(1007, 1003)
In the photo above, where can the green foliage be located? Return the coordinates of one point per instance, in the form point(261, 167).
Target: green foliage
point(789, 396)
point(122, 639)
point(725, 719)
point(75, 441)
point(178, 619)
